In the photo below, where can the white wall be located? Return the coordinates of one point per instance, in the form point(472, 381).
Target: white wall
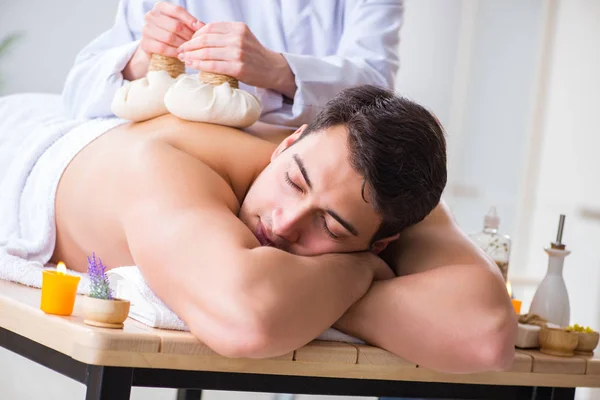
point(506, 42)
point(474, 63)
point(428, 49)
point(53, 33)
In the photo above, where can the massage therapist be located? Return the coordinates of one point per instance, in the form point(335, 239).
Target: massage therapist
point(293, 55)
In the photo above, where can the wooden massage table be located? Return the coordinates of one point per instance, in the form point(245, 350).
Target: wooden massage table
point(109, 362)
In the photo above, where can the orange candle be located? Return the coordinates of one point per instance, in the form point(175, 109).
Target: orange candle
point(516, 305)
point(58, 291)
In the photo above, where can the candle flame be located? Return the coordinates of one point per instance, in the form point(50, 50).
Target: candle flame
point(61, 268)
point(509, 289)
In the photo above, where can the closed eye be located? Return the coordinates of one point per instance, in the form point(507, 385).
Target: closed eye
point(327, 230)
point(292, 184)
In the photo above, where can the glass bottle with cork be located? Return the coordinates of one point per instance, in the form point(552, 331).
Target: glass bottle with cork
point(496, 245)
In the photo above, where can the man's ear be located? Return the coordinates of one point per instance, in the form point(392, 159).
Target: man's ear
point(287, 142)
point(379, 245)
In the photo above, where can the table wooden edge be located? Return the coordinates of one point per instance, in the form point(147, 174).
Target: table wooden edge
point(333, 370)
point(146, 347)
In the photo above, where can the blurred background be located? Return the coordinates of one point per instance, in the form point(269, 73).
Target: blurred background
point(516, 83)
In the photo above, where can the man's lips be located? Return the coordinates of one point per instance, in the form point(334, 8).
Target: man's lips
point(262, 235)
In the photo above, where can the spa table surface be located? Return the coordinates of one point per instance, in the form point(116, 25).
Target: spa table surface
point(110, 361)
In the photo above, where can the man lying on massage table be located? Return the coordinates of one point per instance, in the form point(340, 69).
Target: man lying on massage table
point(260, 248)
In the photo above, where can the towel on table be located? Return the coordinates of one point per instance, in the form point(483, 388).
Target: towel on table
point(128, 283)
point(37, 142)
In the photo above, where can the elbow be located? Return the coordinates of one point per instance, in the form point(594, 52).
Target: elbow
point(384, 74)
point(240, 328)
point(72, 93)
point(250, 320)
point(384, 78)
point(244, 336)
point(241, 341)
point(72, 103)
point(84, 97)
point(67, 99)
point(495, 351)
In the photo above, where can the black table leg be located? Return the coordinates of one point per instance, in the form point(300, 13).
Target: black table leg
point(189, 394)
point(559, 394)
point(547, 393)
point(108, 383)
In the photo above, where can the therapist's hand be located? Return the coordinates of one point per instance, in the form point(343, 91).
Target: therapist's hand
point(166, 27)
point(230, 48)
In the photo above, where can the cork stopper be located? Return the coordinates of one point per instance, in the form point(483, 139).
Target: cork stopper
point(162, 63)
point(216, 79)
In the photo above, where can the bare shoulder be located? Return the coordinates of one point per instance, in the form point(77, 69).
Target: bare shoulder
point(180, 221)
point(164, 172)
point(233, 154)
point(435, 242)
point(172, 193)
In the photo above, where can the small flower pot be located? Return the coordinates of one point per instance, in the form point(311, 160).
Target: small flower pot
point(587, 343)
point(105, 313)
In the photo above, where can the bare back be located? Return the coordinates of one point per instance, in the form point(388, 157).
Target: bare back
point(105, 179)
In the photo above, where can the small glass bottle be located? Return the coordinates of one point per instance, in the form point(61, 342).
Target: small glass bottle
point(496, 245)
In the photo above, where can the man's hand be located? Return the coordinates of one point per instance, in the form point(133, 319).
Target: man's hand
point(230, 48)
point(167, 27)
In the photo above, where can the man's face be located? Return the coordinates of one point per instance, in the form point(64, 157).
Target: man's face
point(308, 200)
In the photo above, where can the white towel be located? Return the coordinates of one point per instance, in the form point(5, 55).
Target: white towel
point(36, 144)
point(128, 283)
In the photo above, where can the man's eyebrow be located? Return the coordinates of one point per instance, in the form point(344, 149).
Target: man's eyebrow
point(343, 222)
point(302, 170)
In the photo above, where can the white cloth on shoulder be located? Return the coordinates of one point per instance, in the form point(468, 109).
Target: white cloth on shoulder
point(37, 142)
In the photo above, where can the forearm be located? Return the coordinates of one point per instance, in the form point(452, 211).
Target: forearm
point(298, 298)
point(438, 321)
point(253, 302)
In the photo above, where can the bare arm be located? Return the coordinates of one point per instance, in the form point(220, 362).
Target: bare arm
point(240, 299)
point(448, 310)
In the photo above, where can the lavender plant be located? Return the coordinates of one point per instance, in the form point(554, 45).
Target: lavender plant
point(99, 287)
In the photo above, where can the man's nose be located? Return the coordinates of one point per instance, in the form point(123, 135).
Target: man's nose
point(287, 223)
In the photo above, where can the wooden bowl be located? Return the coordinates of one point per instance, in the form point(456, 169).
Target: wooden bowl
point(558, 342)
point(587, 343)
point(105, 313)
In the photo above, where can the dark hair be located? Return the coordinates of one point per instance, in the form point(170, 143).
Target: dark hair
point(397, 146)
